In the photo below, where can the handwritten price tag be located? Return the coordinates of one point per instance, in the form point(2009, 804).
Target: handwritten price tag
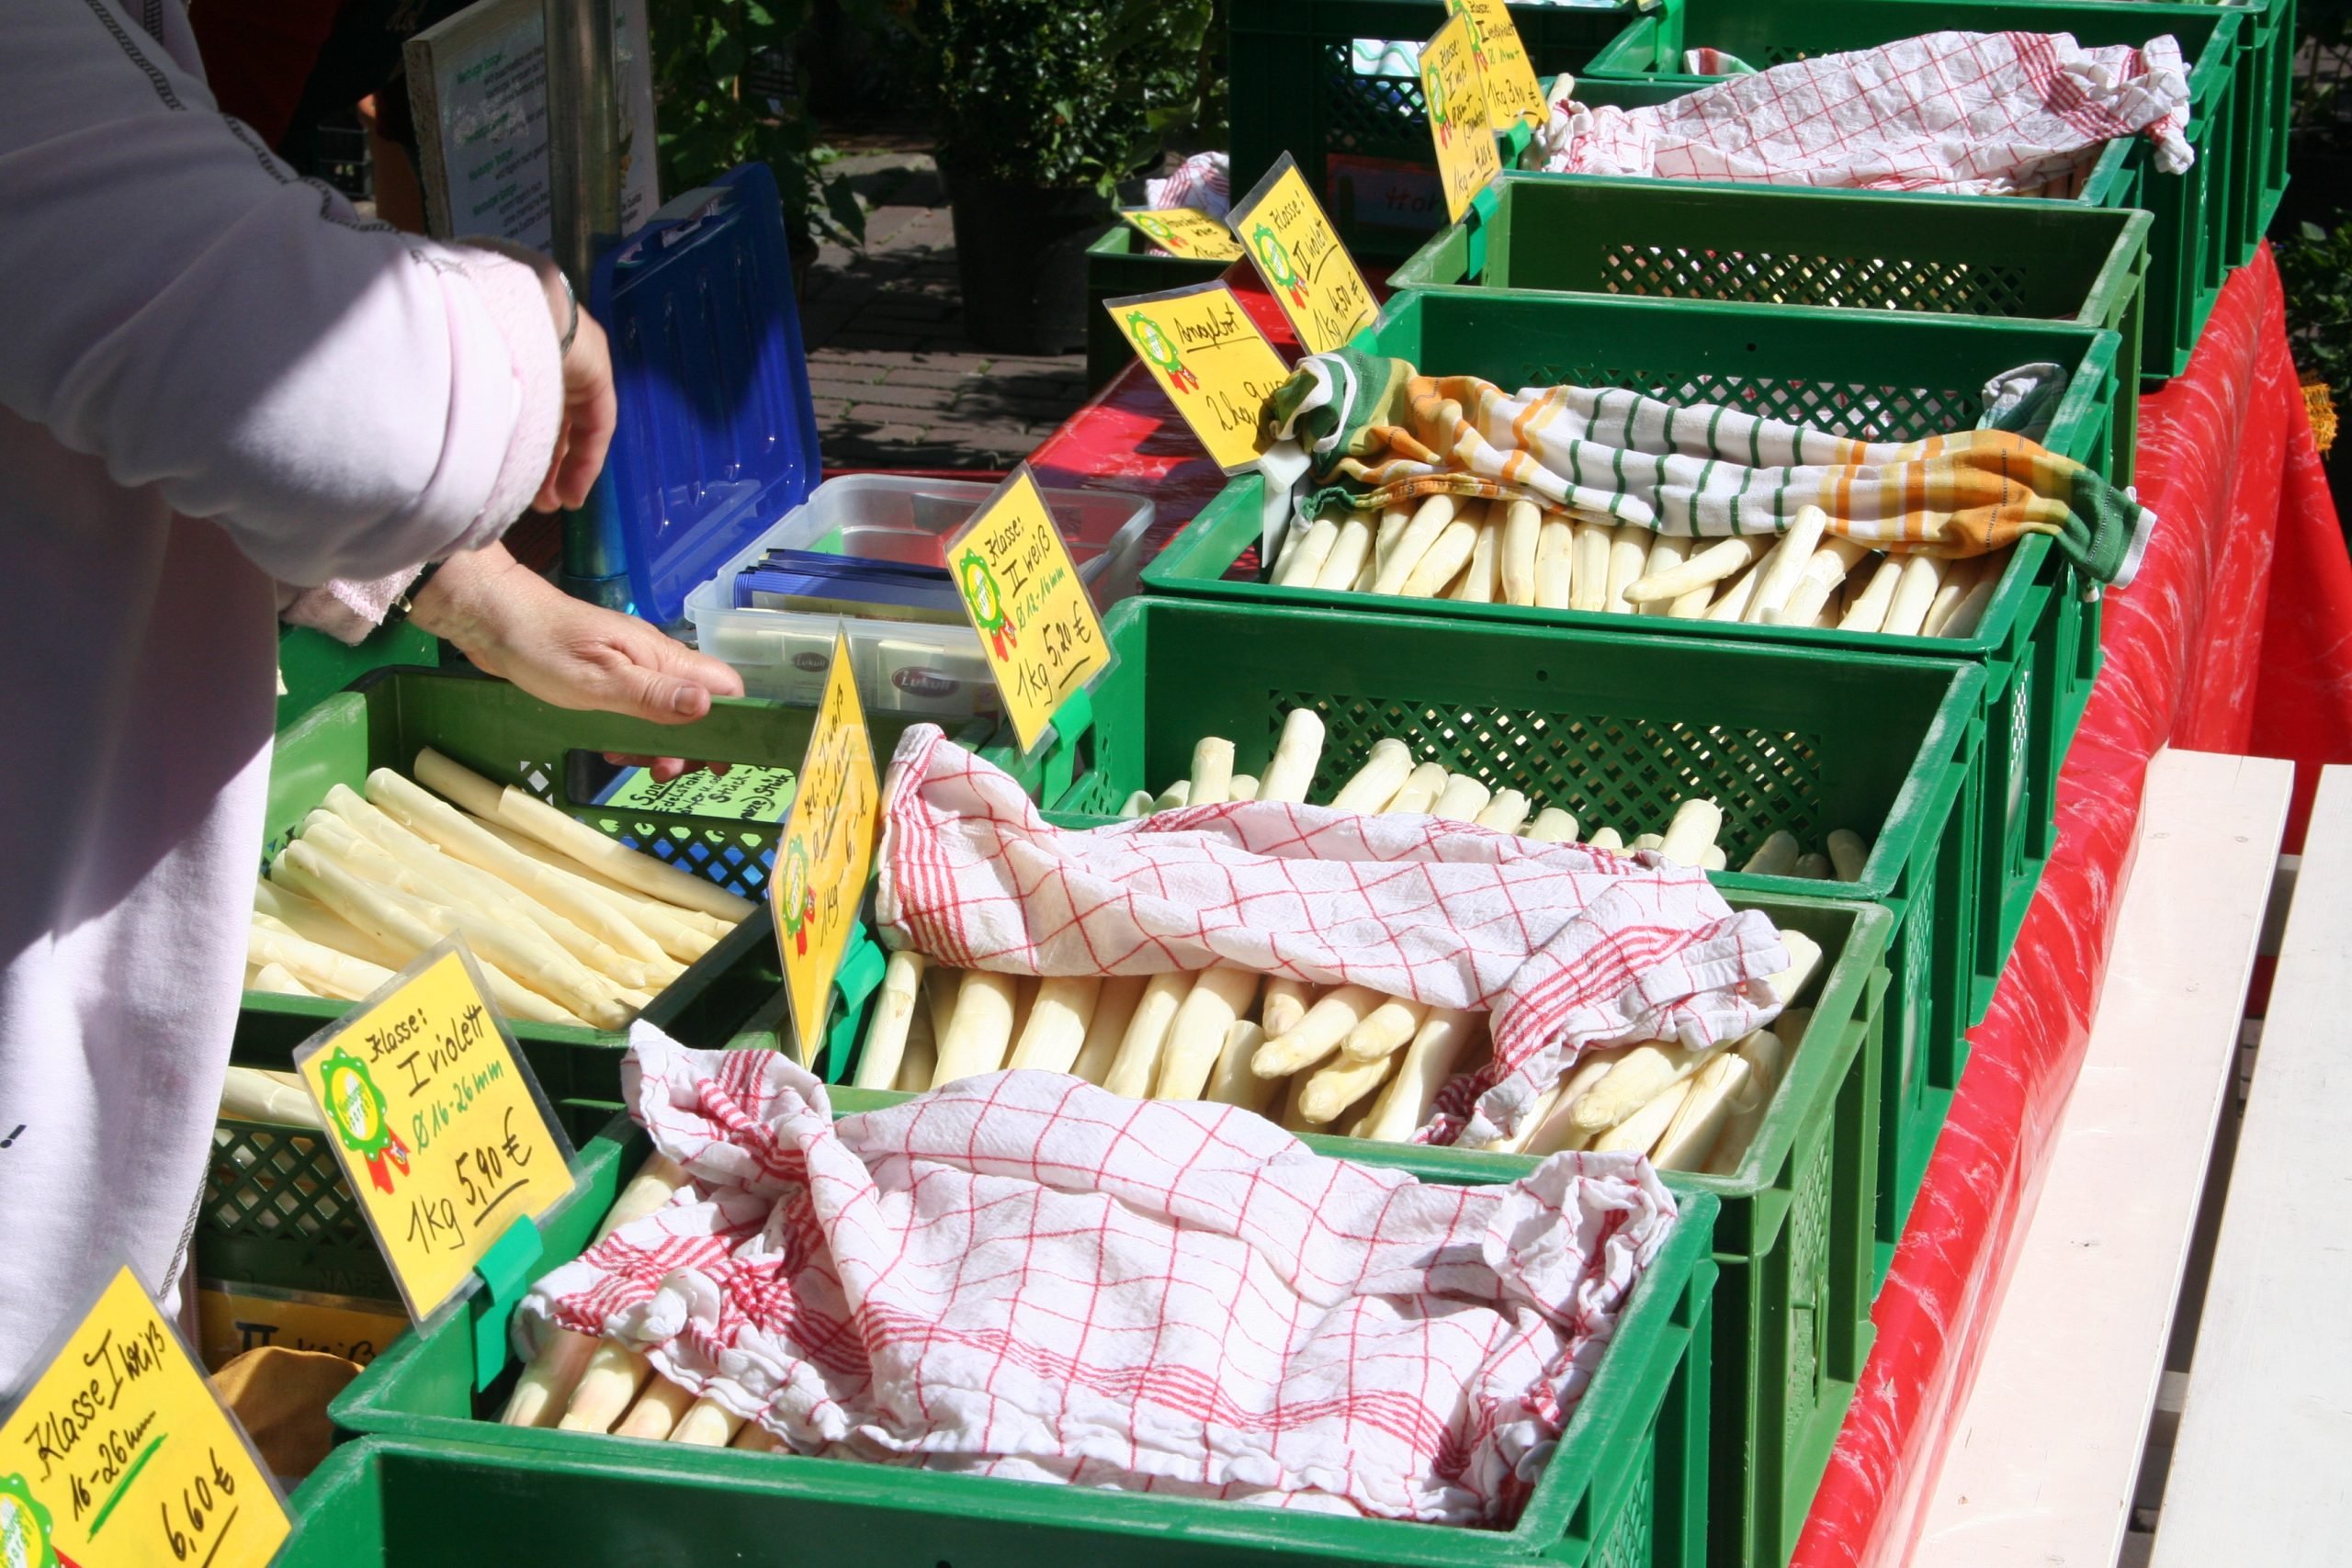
point(1300, 256)
point(1210, 360)
point(828, 850)
point(121, 1458)
point(1513, 94)
point(437, 1123)
point(742, 794)
point(1186, 231)
point(1455, 91)
point(1038, 625)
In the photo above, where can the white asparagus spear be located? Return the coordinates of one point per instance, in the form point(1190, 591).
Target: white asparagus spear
point(1607, 839)
point(1702, 568)
point(894, 1006)
point(1139, 804)
point(1243, 787)
point(1522, 522)
point(1284, 1003)
point(1693, 833)
point(1292, 769)
point(1552, 825)
point(308, 917)
point(607, 1387)
point(1915, 590)
point(1421, 1071)
point(1804, 958)
point(1732, 603)
point(545, 1385)
point(1462, 799)
point(1786, 564)
point(1638, 1131)
point(1819, 579)
point(1478, 584)
point(1439, 564)
point(1219, 997)
point(1588, 587)
point(1791, 1025)
point(1536, 1113)
point(1970, 611)
point(1649, 841)
point(1377, 782)
point(1812, 867)
point(1212, 772)
point(656, 1413)
point(980, 1032)
point(1115, 1007)
point(1548, 1130)
point(1316, 1035)
point(1365, 573)
point(1714, 859)
point(1556, 563)
point(1868, 612)
point(1849, 853)
point(756, 1439)
point(640, 908)
point(1393, 520)
point(1646, 1072)
point(1351, 554)
point(249, 1094)
point(1175, 794)
point(1505, 813)
point(1419, 791)
point(1629, 554)
point(1429, 520)
point(1764, 1054)
point(1306, 553)
point(1960, 576)
point(706, 1425)
point(323, 969)
point(1692, 1135)
point(278, 979)
point(1138, 1064)
point(1777, 856)
point(920, 1065)
point(1233, 1083)
point(1331, 1088)
point(1693, 606)
point(940, 985)
point(1666, 552)
point(1055, 1030)
point(1386, 1028)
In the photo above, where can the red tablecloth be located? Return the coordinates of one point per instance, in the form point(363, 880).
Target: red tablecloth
point(2237, 636)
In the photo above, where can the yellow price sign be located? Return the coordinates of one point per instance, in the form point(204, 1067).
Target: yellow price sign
point(821, 864)
point(1455, 92)
point(1184, 232)
point(1513, 92)
point(233, 1319)
point(1038, 625)
point(436, 1122)
point(120, 1457)
point(1300, 256)
point(1210, 360)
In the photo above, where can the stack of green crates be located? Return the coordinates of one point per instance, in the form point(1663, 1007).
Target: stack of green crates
point(2205, 219)
point(1627, 1487)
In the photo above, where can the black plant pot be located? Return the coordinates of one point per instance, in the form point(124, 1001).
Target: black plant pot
point(1020, 252)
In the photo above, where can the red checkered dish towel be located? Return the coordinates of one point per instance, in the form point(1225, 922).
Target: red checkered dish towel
point(1569, 947)
point(1023, 1275)
point(2000, 114)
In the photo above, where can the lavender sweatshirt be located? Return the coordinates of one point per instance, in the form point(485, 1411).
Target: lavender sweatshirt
point(212, 375)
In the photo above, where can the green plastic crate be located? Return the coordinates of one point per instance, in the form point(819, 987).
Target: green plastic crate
point(1626, 1487)
point(1875, 375)
point(314, 666)
point(1795, 245)
point(1362, 141)
point(2199, 216)
point(1119, 263)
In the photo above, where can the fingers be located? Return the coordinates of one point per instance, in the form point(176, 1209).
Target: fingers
point(590, 412)
point(664, 769)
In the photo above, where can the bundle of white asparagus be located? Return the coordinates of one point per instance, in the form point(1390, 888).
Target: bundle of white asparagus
point(1515, 553)
point(1389, 781)
point(568, 925)
point(1337, 1059)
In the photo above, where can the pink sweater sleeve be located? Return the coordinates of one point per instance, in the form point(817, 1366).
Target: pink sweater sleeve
point(344, 401)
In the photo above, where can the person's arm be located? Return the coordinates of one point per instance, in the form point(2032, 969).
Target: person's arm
point(344, 401)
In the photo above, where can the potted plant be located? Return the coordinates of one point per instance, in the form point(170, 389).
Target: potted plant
point(1043, 107)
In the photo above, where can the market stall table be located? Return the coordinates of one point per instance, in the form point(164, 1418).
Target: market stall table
point(2202, 653)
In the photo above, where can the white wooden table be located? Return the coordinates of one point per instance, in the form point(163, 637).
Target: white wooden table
point(2041, 1467)
point(2261, 1471)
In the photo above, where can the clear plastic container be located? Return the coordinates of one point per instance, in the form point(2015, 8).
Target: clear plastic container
point(901, 666)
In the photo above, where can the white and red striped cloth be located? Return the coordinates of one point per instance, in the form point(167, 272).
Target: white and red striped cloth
point(2000, 114)
point(1568, 946)
point(1023, 1275)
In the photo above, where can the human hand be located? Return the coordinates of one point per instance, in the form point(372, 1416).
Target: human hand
point(590, 412)
point(514, 623)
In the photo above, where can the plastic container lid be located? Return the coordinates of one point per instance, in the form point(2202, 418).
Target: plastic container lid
point(717, 436)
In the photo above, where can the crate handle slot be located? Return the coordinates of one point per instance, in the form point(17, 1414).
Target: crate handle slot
point(506, 1270)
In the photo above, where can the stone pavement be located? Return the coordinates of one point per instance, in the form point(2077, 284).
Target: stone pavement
point(896, 384)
